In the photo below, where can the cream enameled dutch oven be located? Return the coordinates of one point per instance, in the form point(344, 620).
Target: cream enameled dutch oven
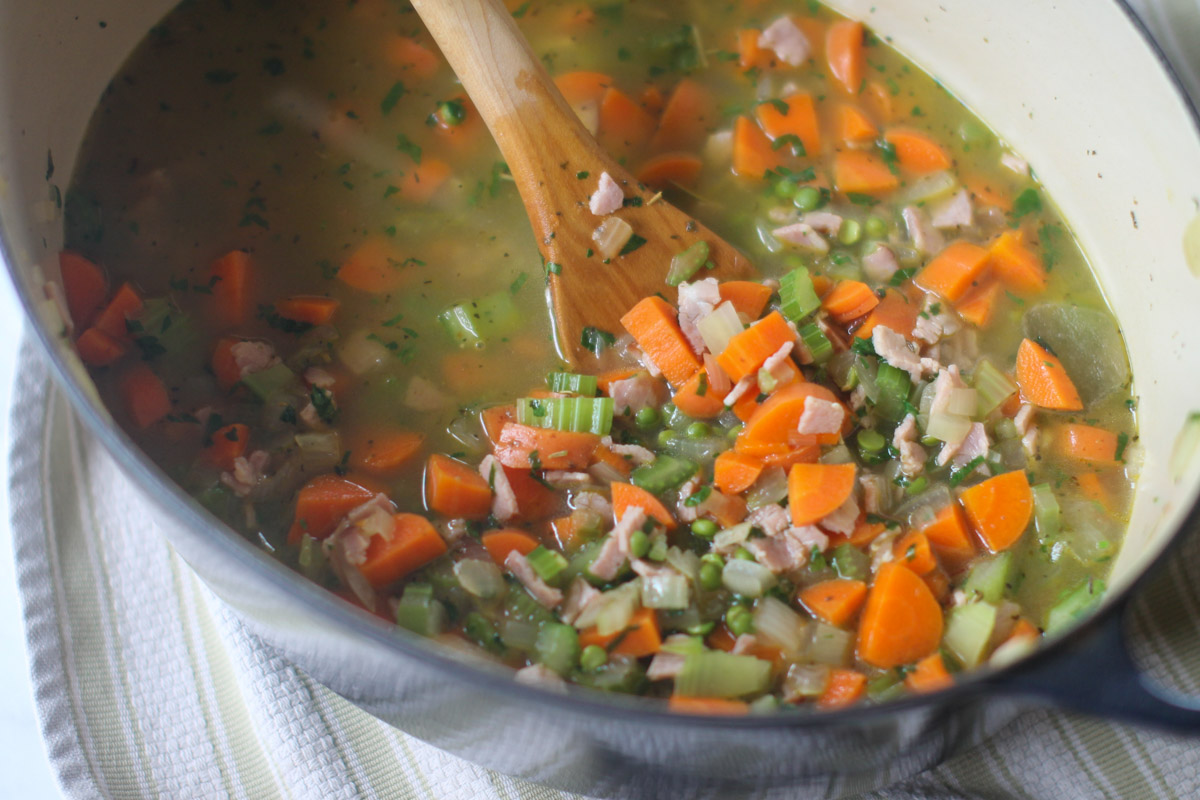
point(1073, 85)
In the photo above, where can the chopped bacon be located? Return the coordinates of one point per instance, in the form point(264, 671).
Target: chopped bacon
point(787, 40)
point(504, 499)
point(821, 416)
point(607, 198)
point(545, 594)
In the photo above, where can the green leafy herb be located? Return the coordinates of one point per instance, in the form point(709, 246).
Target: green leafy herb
point(790, 139)
point(406, 145)
point(596, 340)
point(633, 244)
point(269, 315)
point(392, 97)
point(322, 401)
point(1027, 202)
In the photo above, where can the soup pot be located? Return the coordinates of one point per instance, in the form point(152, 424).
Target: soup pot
point(1073, 86)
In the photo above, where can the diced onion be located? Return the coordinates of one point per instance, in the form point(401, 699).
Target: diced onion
point(830, 645)
point(666, 590)
point(747, 578)
point(930, 187)
point(719, 327)
point(779, 625)
point(687, 562)
point(923, 508)
point(948, 427)
point(731, 537)
point(805, 680)
point(481, 578)
point(612, 235)
point(771, 487)
point(963, 401)
point(611, 611)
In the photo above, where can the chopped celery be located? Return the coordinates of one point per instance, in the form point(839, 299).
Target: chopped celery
point(161, 329)
point(521, 606)
point(1046, 513)
point(665, 472)
point(419, 612)
point(969, 630)
point(720, 326)
point(1075, 604)
point(479, 321)
point(557, 647)
point(519, 634)
point(548, 564)
point(777, 624)
point(747, 578)
point(480, 630)
point(887, 686)
point(668, 590)
point(573, 383)
point(718, 674)
point(993, 386)
point(312, 558)
point(618, 674)
point(797, 297)
point(683, 645)
point(850, 562)
point(816, 342)
point(988, 577)
point(686, 264)
point(893, 386)
point(270, 382)
point(830, 645)
point(575, 414)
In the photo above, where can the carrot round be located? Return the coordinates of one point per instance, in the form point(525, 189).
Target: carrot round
point(670, 169)
point(374, 266)
point(413, 544)
point(849, 300)
point(854, 126)
point(929, 675)
point(950, 538)
point(735, 472)
point(748, 297)
point(84, 286)
point(1014, 263)
point(96, 348)
point(747, 350)
point(817, 490)
point(313, 309)
point(653, 323)
point(861, 172)
point(710, 706)
point(421, 182)
point(224, 365)
point(845, 687)
point(800, 120)
point(323, 502)
point(625, 127)
point(385, 452)
point(413, 59)
point(125, 304)
point(535, 500)
point(502, 542)
point(917, 152)
point(753, 155)
point(230, 288)
point(583, 87)
point(844, 51)
point(521, 446)
point(690, 113)
point(913, 551)
point(1086, 443)
point(454, 489)
point(626, 495)
point(228, 444)
point(772, 427)
point(143, 395)
point(901, 621)
point(1000, 509)
point(978, 306)
point(898, 310)
point(696, 405)
point(1043, 380)
point(953, 271)
point(640, 638)
point(836, 601)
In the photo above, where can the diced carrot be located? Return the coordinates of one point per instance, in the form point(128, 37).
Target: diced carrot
point(605, 455)
point(606, 379)
point(773, 426)
point(786, 458)
point(986, 194)
point(413, 544)
point(917, 152)
point(901, 622)
point(950, 538)
point(502, 542)
point(1086, 443)
point(854, 127)
point(954, 271)
point(375, 266)
point(84, 286)
point(913, 551)
point(1023, 630)
point(727, 509)
point(747, 404)
point(230, 288)
point(879, 101)
point(583, 87)
point(625, 127)
point(567, 533)
point(748, 297)
point(836, 601)
point(707, 706)
point(420, 182)
point(978, 305)
point(385, 451)
point(653, 325)
point(494, 418)
point(626, 496)
point(849, 300)
point(323, 502)
point(124, 306)
point(747, 350)
point(866, 532)
point(844, 51)
point(695, 404)
point(96, 348)
point(929, 675)
point(535, 501)
point(817, 490)
point(313, 309)
point(1043, 380)
point(1091, 487)
point(1014, 263)
point(228, 444)
point(690, 113)
point(454, 489)
point(143, 394)
point(1012, 405)
point(898, 310)
point(640, 638)
point(846, 687)
point(224, 365)
point(413, 59)
point(753, 155)
point(670, 169)
point(799, 120)
point(554, 449)
point(750, 55)
point(862, 172)
point(735, 472)
point(1000, 509)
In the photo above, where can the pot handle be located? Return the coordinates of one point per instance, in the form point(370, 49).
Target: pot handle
point(1095, 674)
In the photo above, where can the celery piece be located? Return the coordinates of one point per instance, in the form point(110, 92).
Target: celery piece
point(850, 562)
point(575, 414)
point(1046, 514)
point(887, 686)
point(548, 564)
point(161, 329)
point(480, 630)
point(684, 645)
point(893, 386)
point(719, 674)
point(993, 387)
point(968, 630)
point(270, 382)
point(521, 606)
point(816, 342)
point(419, 612)
point(557, 647)
point(988, 577)
point(663, 473)
point(797, 297)
point(1074, 605)
point(830, 645)
point(747, 578)
point(686, 264)
point(312, 558)
point(619, 674)
point(720, 326)
point(480, 321)
point(216, 498)
point(573, 383)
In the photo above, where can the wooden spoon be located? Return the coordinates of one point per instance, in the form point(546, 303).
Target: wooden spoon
point(557, 164)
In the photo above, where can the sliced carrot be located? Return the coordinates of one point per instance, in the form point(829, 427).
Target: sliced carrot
point(143, 395)
point(653, 325)
point(898, 310)
point(697, 399)
point(901, 622)
point(626, 496)
point(323, 502)
point(413, 544)
point(640, 638)
point(495, 418)
point(785, 459)
point(854, 127)
point(502, 542)
point(988, 195)
point(114, 319)
point(748, 297)
point(707, 706)
point(625, 127)
point(689, 115)
point(978, 306)
point(230, 288)
point(750, 55)
point(97, 349)
point(950, 538)
point(844, 51)
point(413, 59)
point(554, 449)
point(1023, 630)
point(567, 532)
point(454, 489)
point(727, 509)
point(879, 101)
point(605, 455)
point(583, 87)
point(535, 501)
point(929, 675)
point(836, 601)
point(866, 532)
point(1091, 487)
point(84, 286)
point(670, 169)
point(420, 182)
point(1014, 263)
point(747, 350)
point(224, 365)
point(817, 490)
point(849, 300)
point(375, 266)
point(1086, 443)
point(917, 152)
point(228, 444)
point(954, 271)
point(313, 309)
point(846, 687)
point(747, 404)
point(735, 472)
point(773, 426)
point(1000, 509)
point(862, 172)
point(913, 551)
point(753, 155)
point(1043, 380)
point(385, 451)
point(652, 100)
point(799, 120)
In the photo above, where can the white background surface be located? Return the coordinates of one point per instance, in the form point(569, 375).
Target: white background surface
point(24, 767)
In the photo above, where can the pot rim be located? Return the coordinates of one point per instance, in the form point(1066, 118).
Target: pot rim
point(361, 624)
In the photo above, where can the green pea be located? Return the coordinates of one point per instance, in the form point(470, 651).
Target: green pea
point(705, 528)
point(665, 438)
point(744, 554)
point(452, 112)
point(785, 189)
point(713, 558)
point(876, 228)
point(701, 629)
point(698, 430)
point(639, 544)
point(850, 232)
point(647, 417)
point(710, 576)
point(735, 431)
point(739, 620)
point(871, 440)
point(807, 198)
point(593, 657)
